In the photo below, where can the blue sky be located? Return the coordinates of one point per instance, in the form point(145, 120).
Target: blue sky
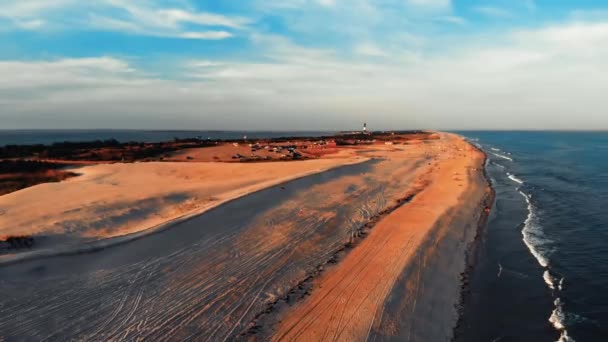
point(303, 64)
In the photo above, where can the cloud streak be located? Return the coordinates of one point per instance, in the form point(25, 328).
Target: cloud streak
point(134, 17)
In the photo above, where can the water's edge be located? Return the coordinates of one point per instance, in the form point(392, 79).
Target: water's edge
point(473, 252)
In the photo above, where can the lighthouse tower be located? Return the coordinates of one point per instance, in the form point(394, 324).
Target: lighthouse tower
point(365, 127)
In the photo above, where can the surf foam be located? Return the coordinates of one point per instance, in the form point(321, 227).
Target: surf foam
point(502, 156)
point(558, 319)
point(515, 179)
point(532, 235)
point(499, 166)
point(549, 279)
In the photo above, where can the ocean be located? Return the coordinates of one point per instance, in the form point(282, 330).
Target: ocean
point(30, 137)
point(542, 266)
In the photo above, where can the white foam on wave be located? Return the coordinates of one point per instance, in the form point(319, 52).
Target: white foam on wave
point(564, 337)
point(502, 156)
point(515, 179)
point(532, 235)
point(495, 149)
point(502, 167)
point(549, 279)
point(558, 320)
point(560, 285)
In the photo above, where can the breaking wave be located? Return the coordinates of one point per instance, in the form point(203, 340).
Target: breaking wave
point(502, 156)
point(532, 234)
point(536, 242)
point(557, 319)
point(515, 179)
point(549, 279)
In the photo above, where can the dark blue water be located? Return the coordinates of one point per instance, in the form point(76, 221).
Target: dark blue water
point(30, 137)
point(542, 270)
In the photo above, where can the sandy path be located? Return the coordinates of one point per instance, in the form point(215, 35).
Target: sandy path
point(348, 300)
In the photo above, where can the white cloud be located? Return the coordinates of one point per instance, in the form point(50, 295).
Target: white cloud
point(551, 77)
point(70, 72)
point(327, 3)
point(436, 4)
point(175, 16)
point(369, 49)
point(452, 19)
point(135, 17)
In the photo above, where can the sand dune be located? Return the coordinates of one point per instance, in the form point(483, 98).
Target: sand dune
point(115, 199)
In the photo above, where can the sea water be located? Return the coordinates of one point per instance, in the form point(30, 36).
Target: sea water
point(542, 268)
point(30, 137)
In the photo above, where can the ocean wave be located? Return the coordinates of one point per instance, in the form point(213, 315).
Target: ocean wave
point(515, 179)
point(502, 167)
point(549, 280)
point(558, 320)
point(495, 149)
point(532, 235)
point(502, 156)
point(553, 282)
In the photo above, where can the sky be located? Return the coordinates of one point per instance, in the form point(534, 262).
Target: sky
point(304, 64)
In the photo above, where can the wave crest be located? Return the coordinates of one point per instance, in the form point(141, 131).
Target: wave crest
point(558, 320)
point(532, 234)
point(515, 179)
point(502, 156)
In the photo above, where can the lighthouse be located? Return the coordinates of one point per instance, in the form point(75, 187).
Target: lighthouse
point(365, 127)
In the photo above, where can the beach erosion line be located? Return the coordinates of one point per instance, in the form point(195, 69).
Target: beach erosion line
point(98, 245)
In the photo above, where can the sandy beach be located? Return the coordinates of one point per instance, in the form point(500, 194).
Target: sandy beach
point(351, 248)
point(350, 301)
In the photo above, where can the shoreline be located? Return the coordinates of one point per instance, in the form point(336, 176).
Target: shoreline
point(97, 245)
point(381, 249)
point(268, 323)
point(473, 252)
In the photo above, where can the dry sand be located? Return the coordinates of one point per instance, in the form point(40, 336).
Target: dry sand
point(116, 199)
point(348, 300)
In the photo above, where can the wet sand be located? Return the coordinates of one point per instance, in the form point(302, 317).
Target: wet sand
point(240, 270)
